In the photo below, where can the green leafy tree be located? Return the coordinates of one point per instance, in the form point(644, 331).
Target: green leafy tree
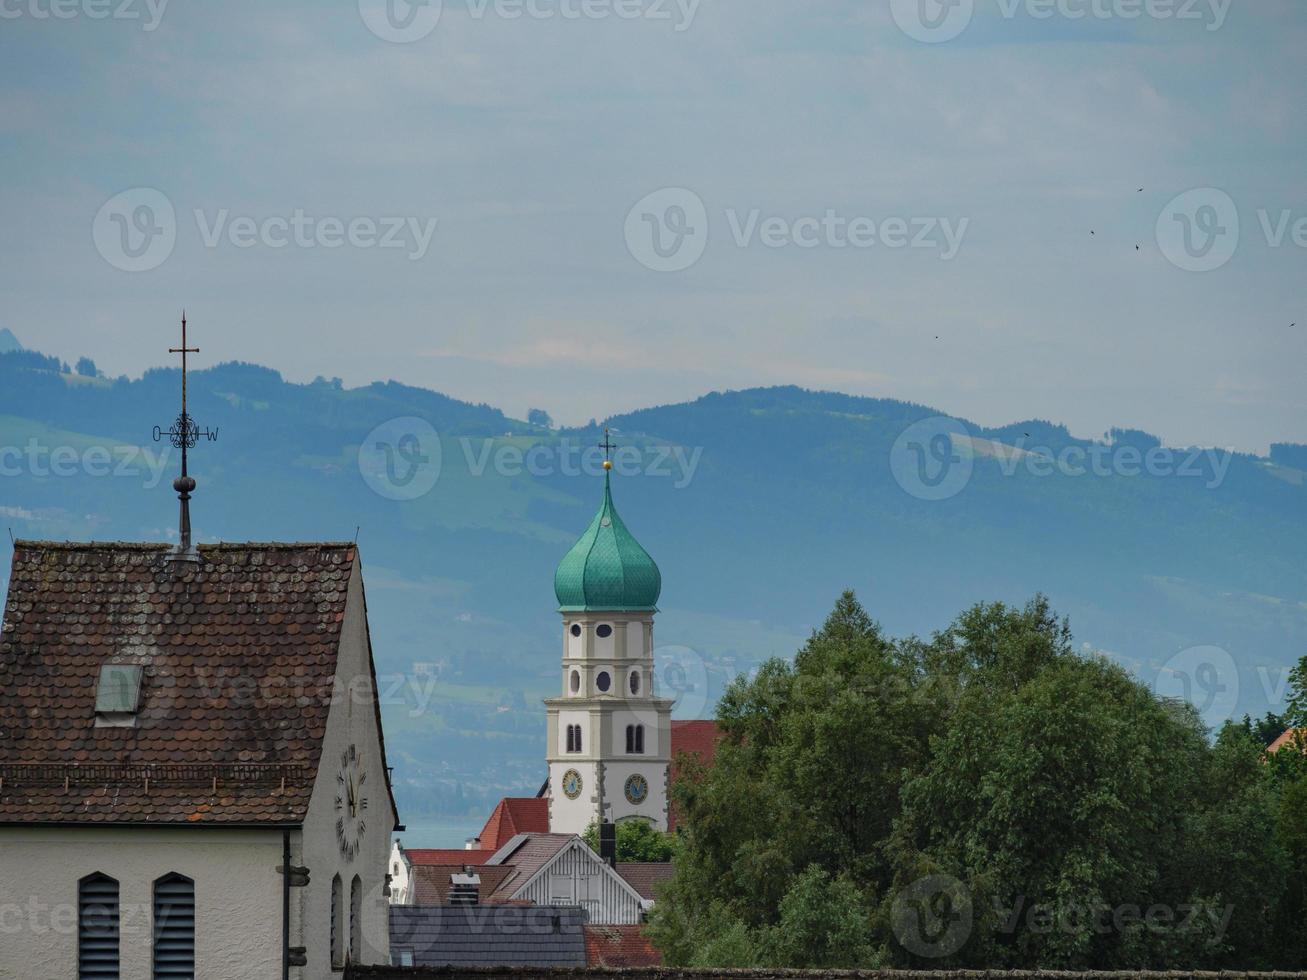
point(637, 840)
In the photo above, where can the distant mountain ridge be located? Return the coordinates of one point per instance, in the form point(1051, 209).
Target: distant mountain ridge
point(759, 507)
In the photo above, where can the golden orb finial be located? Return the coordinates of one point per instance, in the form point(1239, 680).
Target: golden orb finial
point(608, 464)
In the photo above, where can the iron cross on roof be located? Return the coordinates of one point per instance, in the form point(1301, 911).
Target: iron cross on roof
point(607, 445)
point(184, 435)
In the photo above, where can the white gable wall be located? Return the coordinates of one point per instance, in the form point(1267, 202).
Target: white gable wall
point(576, 876)
point(351, 721)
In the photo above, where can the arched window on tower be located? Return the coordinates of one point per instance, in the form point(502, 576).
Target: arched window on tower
point(573, 738)
point(337, 933)
point(356, 920)
point(635, 740)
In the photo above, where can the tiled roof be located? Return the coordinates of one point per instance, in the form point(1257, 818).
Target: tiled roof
point(615, 947)
point(515, 815)
point(239, 656)
point(695, 738)
point(645, 876)
point(474, 935)
point(431, 882)
point(419, 856)
point(1285, 739)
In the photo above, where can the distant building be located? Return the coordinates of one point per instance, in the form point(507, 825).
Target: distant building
point(175, 730)
point(619, 948)
point(1288, 738)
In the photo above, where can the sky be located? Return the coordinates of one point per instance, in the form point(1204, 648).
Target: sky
point(1087, 211)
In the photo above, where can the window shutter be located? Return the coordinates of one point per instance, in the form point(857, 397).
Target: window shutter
point(174, 928)
point(97, 928)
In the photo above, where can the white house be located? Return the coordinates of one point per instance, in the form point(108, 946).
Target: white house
point(178, 730)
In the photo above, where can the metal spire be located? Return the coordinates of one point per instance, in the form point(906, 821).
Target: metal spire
point(183, 435)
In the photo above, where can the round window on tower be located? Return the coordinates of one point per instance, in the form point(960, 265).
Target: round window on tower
point(576, 629)
point(575, 682)
point(604, 631)
point(635, 682)
point(603, 681)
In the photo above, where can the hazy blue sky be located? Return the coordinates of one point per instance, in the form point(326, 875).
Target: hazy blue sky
point(529, 139)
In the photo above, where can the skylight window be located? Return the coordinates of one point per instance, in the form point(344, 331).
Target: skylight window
point(119, 690)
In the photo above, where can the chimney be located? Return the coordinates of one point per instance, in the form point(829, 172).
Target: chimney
point(465, 889)
point(608, 843)
point(472, 844)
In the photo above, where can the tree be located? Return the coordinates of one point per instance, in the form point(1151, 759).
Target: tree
point(538, 416)
point(86, 368)
point(637, 840)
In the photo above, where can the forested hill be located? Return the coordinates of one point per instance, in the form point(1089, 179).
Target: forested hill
point(760, 507)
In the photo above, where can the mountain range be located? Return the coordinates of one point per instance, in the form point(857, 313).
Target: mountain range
point(760, 506)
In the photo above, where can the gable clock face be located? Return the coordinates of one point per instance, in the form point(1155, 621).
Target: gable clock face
point(572, 784)
point(351, 803)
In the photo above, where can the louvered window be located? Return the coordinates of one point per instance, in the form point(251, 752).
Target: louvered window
point(174, 928)
point(97, 928)
point(635, 739)
point(573, 738)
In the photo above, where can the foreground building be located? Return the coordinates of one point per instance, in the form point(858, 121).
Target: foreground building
point(177, 727)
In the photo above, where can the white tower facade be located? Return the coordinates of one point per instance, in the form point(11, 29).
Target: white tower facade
point(609, 734)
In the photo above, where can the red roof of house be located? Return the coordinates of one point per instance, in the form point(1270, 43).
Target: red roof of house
point(515, 815)
point(422, 856)
point(619, 946)
point(204, 748)
point(695, 738)
point(431, 883)
point(1286, 739)
point(645, 876)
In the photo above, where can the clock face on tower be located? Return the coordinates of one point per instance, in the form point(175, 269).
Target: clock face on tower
point(351, 803)
point(572, 784)
point(637, 789)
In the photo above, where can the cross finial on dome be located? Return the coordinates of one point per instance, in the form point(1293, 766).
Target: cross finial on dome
point(607, 446)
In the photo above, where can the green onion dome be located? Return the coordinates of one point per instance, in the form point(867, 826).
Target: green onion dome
point(607, 569)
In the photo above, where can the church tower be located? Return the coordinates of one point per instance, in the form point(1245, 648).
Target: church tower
point(609, 735)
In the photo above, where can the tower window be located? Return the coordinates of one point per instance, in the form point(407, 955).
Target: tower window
point(337, 933)
point(635, 740)
point(576, 629)
point(576, 682)
point(573, 738)
point(356, 920)
point(635, 682)
point(604, 631)
point(603, 681)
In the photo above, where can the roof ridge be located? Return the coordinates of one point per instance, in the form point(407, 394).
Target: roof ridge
point(163, 546)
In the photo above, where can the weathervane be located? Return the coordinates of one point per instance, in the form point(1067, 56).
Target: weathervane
point(184, 435)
